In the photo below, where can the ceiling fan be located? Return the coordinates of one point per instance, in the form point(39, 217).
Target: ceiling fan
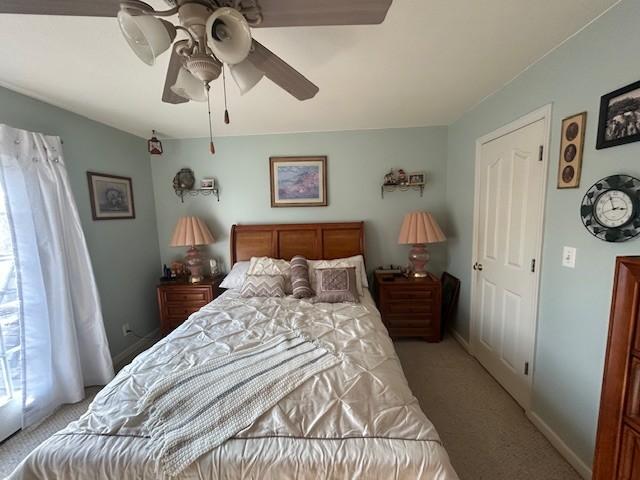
point(215, 36)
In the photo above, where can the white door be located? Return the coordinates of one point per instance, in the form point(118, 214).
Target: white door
point(510, 179)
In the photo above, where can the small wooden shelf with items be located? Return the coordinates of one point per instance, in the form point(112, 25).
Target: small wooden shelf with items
point(177, 299)
point(410, 307)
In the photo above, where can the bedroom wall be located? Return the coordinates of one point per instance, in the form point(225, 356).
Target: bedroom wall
point(357, 161)
point(124, 253)
point(574, 303)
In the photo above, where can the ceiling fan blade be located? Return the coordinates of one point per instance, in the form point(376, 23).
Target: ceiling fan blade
point(175, 63)
point(290, 13)
point(82, 8)
point(281, 73)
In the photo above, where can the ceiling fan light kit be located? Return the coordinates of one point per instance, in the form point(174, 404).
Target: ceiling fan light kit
point(217, 32)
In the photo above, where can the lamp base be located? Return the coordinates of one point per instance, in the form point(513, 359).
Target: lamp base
point(418, 259)
point(194, 264)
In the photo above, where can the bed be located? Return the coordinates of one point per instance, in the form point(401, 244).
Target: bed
point(358, 420)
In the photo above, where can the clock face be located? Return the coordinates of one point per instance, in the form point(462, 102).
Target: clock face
point(613, 208)
point(610, 208)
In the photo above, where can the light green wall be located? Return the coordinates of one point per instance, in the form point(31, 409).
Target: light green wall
point(356, 163)
point(574, 304)
point(124, 252)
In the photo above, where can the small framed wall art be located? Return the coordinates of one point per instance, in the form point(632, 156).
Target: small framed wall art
point(619, 120)
point(571, 150)
point(111, 196)
point(417, 178)
point(298, 181)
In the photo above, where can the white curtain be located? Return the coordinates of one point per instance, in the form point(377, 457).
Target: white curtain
point(63, 341)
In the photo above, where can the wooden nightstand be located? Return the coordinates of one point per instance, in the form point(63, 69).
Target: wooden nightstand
point(410, 307)
point(179, 299)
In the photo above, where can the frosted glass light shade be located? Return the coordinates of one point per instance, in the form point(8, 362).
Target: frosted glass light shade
point(147, 35)
point(191, 231)
point(188, 86)
point(228, 35)
point(246, 75)
point(419, 228)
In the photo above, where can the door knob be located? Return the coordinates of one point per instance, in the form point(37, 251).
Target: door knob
point(477, 266)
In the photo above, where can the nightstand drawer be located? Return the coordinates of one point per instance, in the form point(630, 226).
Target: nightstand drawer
point(418, 306)
point(183, 310)
point(200, 295)
point(417, 321)
point(404, 294)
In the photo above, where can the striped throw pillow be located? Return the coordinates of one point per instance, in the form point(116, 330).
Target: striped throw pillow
point(263, 286)
point(300, 277)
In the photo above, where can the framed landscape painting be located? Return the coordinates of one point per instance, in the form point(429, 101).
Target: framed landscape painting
point(298, 181)
point(111, 196)
point(619, 121)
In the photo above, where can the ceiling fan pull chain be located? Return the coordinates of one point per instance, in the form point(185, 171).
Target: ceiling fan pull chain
point(212, 148)
point(224, 88)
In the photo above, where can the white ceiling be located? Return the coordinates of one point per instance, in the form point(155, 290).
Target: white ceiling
point(429, 62)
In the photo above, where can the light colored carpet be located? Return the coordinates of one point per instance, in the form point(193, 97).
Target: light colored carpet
point(483, 429)
point(18, 446)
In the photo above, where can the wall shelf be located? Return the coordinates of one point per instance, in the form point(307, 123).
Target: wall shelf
point(402, 188)
point(197, 191)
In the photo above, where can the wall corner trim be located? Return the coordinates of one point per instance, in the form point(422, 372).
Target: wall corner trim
point(569, 455)
point(134, 349)
point(460, 339)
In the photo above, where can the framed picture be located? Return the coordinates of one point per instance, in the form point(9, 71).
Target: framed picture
point(111, 196)
point(571, 149)
point(417, 178)
point(298, 181)
point(207, 183)
point(619, 120)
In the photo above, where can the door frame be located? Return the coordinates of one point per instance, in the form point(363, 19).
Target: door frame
point(543, 113)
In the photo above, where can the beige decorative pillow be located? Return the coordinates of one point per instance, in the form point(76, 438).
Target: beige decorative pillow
point(271, 266)
point(336, 285)
point(301, 287)
point(356, 261)
point(263, 286)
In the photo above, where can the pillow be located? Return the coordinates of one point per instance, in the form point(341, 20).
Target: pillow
point(356, 261)
point(336, 285)
point(236, 276)
point(263, 286)
point(271, 266)
point(300, 284)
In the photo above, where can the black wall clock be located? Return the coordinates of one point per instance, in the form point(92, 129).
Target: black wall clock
point(611, 208)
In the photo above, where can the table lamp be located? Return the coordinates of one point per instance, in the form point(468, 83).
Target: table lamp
point(190, 232)
point(418, 229)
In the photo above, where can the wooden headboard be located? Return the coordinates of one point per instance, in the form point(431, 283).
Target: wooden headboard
point(312, 240)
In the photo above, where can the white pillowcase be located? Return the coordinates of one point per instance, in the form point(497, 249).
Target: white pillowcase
point(235, 278)
point(356, 261)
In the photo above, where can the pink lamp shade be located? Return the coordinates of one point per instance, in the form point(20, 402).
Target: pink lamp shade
point(189, 232)
point(419, 228)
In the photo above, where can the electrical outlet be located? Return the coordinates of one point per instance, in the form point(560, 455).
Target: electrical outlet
point(126, 330)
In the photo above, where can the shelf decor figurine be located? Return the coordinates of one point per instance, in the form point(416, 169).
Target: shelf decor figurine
point(191, 232)
point(418, 229)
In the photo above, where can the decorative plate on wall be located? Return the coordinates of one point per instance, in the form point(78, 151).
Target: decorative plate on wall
point(610, 208)
point(571, 147)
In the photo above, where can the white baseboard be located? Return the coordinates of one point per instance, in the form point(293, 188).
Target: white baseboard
point(135, 348)
point(460, 340)
point(569, 455)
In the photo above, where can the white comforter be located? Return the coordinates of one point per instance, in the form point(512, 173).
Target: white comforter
point(355, 421)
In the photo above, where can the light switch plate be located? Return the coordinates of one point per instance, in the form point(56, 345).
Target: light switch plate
point(569, 257)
